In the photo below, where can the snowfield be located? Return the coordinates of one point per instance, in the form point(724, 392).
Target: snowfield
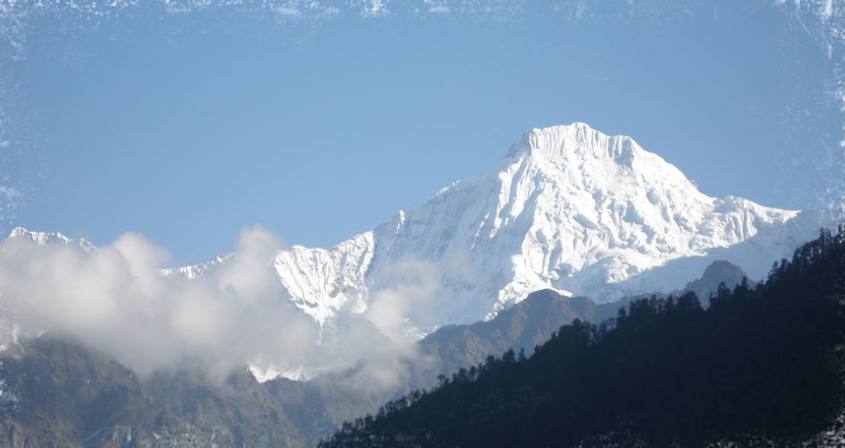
point(570, 209)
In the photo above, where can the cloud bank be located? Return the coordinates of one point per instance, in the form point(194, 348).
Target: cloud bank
point(116, 299)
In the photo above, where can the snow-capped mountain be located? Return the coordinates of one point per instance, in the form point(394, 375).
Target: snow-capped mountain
point(570, 209)
point(194, 271)
point(44, 238)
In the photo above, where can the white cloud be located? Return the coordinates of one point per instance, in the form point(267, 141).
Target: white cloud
point(411, 287)
point(117, 300)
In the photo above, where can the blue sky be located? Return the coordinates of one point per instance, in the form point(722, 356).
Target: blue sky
point(188, 126)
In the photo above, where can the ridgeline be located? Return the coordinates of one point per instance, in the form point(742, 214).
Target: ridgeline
point(761, 366)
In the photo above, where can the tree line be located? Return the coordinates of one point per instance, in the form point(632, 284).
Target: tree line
point(760, 361)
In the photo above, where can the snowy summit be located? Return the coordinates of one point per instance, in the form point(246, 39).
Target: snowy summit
point(570, 209)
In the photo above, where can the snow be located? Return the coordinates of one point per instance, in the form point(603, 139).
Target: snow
point(321, 282)
point(570, 209)
point(196, 271)
point(44, 238)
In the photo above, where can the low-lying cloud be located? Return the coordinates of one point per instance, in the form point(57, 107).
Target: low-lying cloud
point(117, 300)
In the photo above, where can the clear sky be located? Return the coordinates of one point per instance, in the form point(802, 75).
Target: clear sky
point(319, 120)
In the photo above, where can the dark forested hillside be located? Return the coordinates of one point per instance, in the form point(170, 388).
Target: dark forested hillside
point(761, 363)
point(532, 321)
point(523, 326)
point(54, 390)
point(664, 370)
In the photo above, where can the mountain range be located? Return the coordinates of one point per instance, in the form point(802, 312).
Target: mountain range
point(570, 209)
point(575, 224)
point(761, 366)
point(55, 391)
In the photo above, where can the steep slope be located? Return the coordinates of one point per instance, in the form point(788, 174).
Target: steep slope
point(571, 209)
point(532, 321)
point(324, 402)
point(761, 367)
point(44, 238)
point(59, 391)
point(523, 326)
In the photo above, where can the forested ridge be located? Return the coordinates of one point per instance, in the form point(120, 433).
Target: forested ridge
point(762, 362)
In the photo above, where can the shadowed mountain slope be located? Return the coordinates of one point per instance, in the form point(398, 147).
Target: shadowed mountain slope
point(761, 367)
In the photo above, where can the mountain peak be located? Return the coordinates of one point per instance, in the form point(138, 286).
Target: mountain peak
point(49, 238)
point(575, 143)
point(572, 209)
point(40, 238)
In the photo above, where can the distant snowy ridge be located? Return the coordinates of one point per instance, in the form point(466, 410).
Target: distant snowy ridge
point(570, 209)
point(44, 238)
point(194, 271)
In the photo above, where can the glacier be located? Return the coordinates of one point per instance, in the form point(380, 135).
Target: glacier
point(570, 209)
